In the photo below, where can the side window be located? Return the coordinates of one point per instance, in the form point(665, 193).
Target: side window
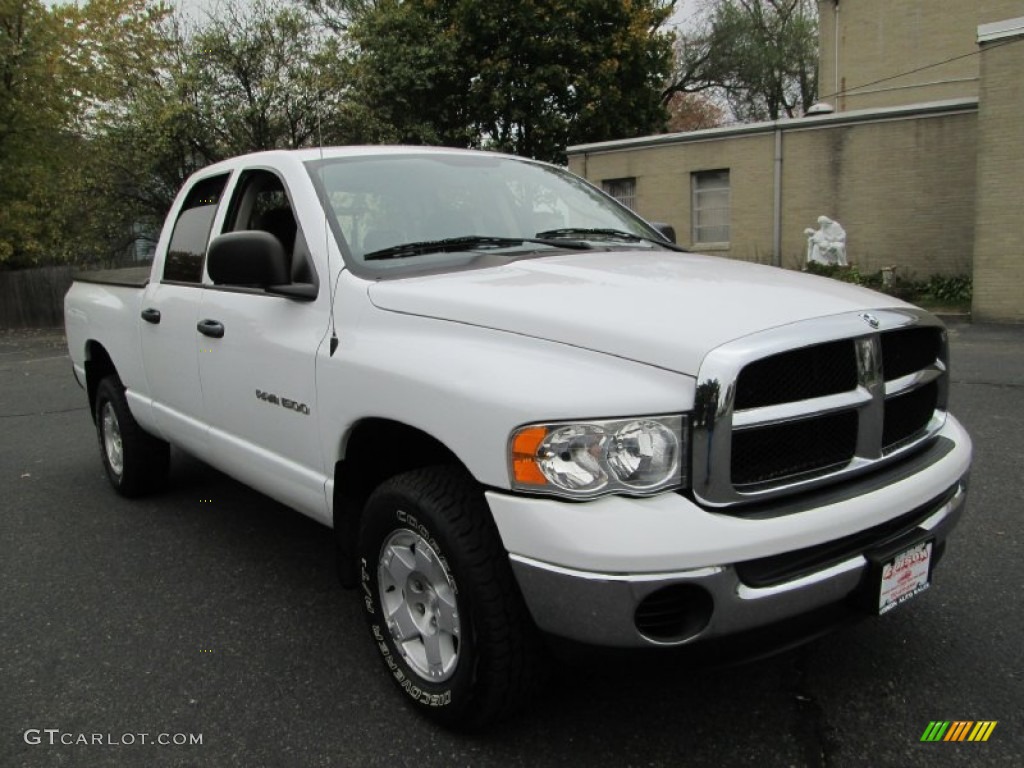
point(187, 249)
point(261, 203)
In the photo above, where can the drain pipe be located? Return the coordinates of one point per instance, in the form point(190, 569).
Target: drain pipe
point(777, 201)
point(835, 21)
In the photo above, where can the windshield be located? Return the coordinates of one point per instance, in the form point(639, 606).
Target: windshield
point(397, 213)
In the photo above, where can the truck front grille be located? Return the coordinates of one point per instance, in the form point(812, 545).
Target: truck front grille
point(805, 448)
point(800, 374)
point(907, 415)
point(909, 350)
point(801, 406)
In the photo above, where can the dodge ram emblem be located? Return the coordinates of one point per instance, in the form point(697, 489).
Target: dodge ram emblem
point(870, 319)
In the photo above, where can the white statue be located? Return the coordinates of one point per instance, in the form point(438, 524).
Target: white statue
point(827, 243)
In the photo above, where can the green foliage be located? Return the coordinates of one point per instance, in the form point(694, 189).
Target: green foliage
point(761, 56)
point(953, 290)
point(60, 68)
point(109, 106)
point(262, 75)
point(527, 77)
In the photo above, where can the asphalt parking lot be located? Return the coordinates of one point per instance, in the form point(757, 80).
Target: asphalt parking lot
point(212, 610)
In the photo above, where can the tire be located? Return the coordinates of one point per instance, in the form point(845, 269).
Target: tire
point(135, 462)
point(441, 602)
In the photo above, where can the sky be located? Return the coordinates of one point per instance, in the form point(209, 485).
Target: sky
point(197, 9)
point(686, 10)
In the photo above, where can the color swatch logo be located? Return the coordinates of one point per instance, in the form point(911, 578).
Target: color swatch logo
point(959, 730)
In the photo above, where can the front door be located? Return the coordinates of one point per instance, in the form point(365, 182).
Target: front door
point(258, 366)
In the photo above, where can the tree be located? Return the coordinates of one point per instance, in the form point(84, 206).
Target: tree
point(337, 15)
point(30, 110)
point(693, 112)
point(59, 69)
point(107, 106)
point(267, 74)
point(255, 77)
point(759, 55)
point(528, 77)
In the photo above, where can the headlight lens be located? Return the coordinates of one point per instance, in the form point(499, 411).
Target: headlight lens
point(643, 454)
point(585, 459)
point(570, 457)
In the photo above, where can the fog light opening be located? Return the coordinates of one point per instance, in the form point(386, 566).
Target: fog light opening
point(673, 613)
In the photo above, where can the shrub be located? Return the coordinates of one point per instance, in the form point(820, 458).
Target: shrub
point(949, 289)
point(955, 289)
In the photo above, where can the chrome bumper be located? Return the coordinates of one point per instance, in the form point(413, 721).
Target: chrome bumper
point(601, 608)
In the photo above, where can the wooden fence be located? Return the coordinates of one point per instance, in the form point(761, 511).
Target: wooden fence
point(34, 298)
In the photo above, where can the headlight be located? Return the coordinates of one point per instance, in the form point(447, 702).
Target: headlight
point(584, 459)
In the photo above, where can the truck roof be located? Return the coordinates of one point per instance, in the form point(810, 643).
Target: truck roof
point(318, 153)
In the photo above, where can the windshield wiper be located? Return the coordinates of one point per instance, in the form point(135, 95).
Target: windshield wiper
point(467, 243)
point(570, 231)
point(600, 233)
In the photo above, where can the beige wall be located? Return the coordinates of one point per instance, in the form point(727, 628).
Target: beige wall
point(999, 245)
point(663, 186)
point(902, 188)
point(880, 39)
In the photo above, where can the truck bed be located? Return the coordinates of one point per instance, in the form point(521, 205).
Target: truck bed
point(128, 277)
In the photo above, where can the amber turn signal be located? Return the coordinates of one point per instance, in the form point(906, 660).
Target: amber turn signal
point(524, 456)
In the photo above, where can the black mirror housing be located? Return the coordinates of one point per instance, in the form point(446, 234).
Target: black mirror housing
point(252, 258)
point(665, 230)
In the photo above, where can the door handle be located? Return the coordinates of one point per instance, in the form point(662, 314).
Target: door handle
point(211, 328)
point(151, 315)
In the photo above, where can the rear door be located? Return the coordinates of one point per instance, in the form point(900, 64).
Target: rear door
point(258, 377)
point(170, 306)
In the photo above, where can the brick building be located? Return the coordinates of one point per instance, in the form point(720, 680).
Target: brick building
point(922, 160)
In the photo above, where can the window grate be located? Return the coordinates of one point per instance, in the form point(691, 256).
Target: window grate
point(711, 204)
point(623, 190)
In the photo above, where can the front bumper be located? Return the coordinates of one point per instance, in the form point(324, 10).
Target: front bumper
point(710, 592)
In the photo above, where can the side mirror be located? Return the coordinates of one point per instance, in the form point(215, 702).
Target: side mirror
point(665, 230)
point(250, 258)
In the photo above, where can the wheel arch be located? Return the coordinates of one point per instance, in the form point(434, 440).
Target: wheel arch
point(373, 450)
point(98, 365)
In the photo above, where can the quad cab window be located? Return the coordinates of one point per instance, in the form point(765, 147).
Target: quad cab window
point(191, 234)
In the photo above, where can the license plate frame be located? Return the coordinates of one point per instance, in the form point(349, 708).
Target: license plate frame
point(901, 573)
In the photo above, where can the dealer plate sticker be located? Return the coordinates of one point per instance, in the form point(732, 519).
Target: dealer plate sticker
point(905, 576)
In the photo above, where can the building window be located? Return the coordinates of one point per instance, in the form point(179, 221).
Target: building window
point(710, 206)
point(623, 190)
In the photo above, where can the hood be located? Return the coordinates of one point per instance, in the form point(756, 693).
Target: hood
point(665, 309)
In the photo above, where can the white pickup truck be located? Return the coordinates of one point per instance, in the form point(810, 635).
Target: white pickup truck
point(523, 411)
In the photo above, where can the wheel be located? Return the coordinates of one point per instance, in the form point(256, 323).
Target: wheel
point(441, 602)
point(135, 461)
